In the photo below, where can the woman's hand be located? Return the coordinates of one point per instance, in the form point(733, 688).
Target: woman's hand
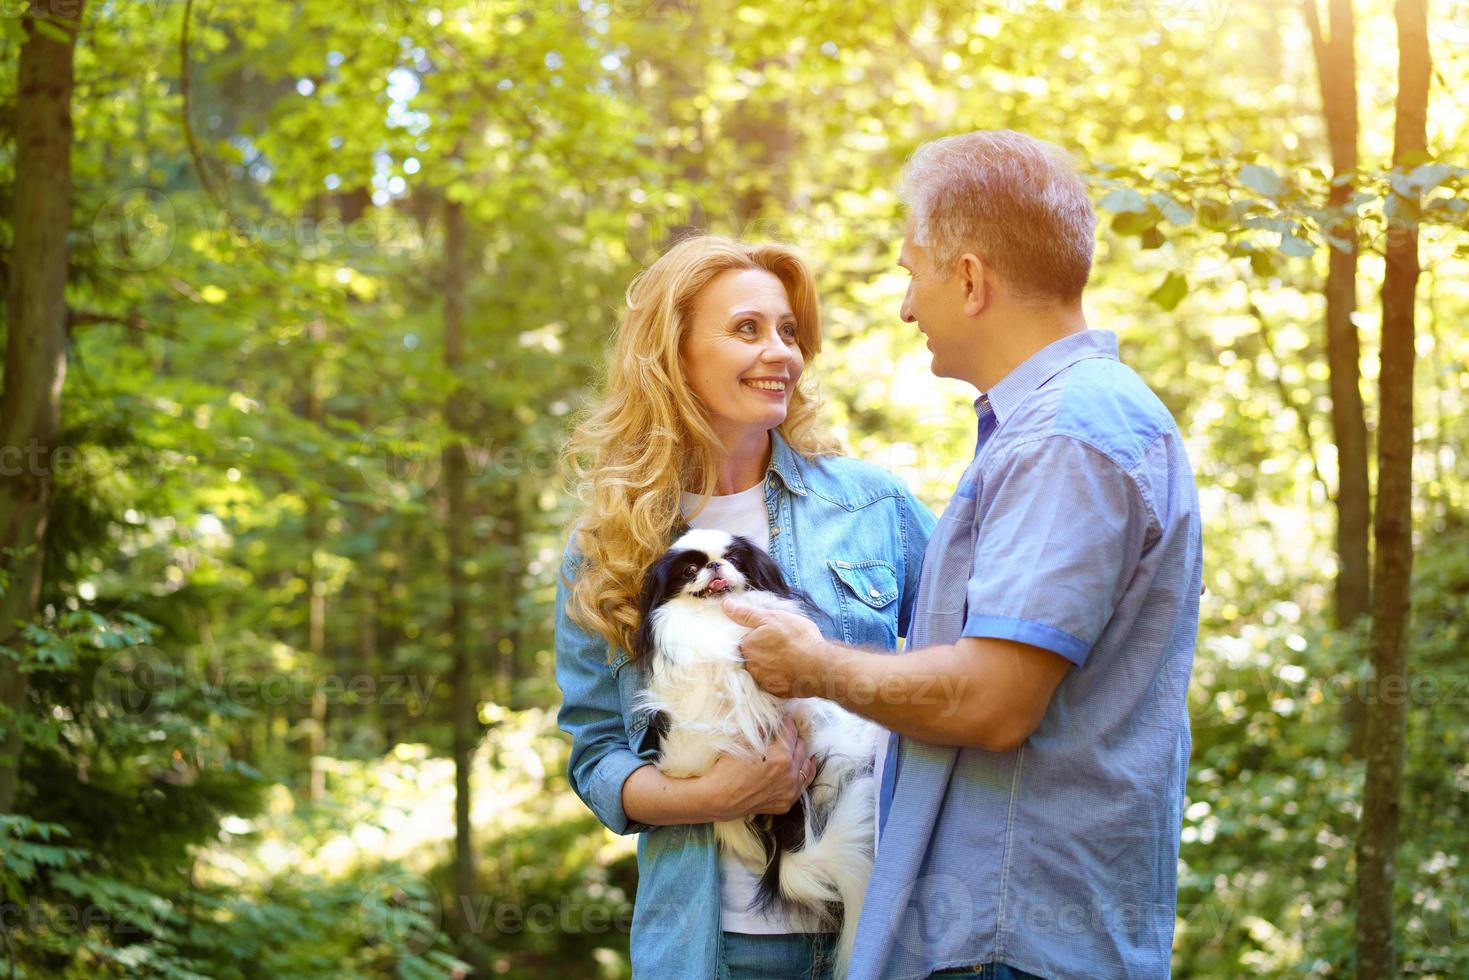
point(742, 787)
point(733, 788)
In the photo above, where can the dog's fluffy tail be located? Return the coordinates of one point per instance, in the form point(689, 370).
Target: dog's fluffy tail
point(829, 874)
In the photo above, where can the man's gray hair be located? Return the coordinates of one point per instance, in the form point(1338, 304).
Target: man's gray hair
point(1015, 201)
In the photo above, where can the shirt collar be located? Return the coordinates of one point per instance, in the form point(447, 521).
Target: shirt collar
point(785, 463)
point(1007, 393)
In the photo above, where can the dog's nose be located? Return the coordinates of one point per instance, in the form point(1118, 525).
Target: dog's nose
point(713, 564)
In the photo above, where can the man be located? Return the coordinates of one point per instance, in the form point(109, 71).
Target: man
point(1032, 792)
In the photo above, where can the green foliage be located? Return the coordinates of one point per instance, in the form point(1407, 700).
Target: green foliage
point(1267, 865)
point(244, 596)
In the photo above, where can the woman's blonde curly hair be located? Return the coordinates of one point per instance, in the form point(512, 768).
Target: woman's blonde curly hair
point(648, 438)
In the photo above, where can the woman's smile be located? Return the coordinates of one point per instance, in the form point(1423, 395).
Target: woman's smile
point(769, 387)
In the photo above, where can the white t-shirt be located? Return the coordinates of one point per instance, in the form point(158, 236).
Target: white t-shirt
point(743, 513)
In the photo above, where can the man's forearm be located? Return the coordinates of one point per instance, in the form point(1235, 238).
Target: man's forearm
point(941, 694)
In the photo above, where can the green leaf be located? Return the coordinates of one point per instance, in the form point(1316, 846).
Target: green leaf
point(1262, 180)
point(1296, 248)
point(1421, 179)
point(1172, 212)
point(1123, 200)
point(1217, 215)
point(1171, 292)
point(1129, 223)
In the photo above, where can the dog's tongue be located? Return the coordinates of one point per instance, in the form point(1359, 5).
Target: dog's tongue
point(719, 585)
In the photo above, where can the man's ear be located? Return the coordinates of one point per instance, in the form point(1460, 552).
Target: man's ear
point(972, 280)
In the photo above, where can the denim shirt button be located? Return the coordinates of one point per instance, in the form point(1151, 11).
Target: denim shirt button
point(774, 531)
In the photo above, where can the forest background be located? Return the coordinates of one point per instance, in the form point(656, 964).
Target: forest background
point(302, 298)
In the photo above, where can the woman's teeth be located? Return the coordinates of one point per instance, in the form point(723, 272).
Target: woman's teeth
point(768, 385)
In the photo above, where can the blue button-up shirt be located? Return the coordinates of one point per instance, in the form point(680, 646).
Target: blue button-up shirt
point(1074, 529)
point(850, 536)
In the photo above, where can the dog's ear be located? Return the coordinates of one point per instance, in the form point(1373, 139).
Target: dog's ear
point(655, 584)
point(760, 570)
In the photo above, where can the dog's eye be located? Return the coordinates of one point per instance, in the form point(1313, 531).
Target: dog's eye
point(690, 572)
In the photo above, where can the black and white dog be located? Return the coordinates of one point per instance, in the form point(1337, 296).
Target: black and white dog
point(819, 855)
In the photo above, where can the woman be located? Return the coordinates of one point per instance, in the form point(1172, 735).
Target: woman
point(703, 419)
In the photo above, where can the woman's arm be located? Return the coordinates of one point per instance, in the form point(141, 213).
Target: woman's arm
point(591, 713)
point(734, 788)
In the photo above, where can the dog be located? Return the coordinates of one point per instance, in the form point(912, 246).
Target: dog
point(703, 703)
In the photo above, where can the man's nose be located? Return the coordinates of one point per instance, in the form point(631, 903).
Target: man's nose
point(905, 312)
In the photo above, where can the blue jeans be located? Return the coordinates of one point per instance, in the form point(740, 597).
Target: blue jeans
point(990, 971)
point(786, 956)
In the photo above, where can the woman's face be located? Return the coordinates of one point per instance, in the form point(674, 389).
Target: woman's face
point(740, 353)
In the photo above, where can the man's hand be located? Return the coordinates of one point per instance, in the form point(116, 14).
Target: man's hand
point(785, 653)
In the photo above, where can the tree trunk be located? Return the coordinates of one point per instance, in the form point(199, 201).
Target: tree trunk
point(315, 587)
point(456, 470)
point(1377, 837)
point(1336, 69)
point(35, 355)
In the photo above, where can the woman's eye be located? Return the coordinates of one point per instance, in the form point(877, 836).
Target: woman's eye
point(748, 323)
point(789, 331)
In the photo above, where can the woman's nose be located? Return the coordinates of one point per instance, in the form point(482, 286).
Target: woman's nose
point(776, 350)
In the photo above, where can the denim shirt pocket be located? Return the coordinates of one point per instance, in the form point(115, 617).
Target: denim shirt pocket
point(867, 593)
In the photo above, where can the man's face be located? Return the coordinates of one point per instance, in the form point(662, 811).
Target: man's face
point(935, 303)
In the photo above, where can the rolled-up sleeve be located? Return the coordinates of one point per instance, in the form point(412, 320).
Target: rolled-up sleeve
point(916, 523)
point(601, 759)
point(1063, 532)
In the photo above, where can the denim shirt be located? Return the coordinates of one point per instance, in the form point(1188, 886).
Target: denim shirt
point(848, 534)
